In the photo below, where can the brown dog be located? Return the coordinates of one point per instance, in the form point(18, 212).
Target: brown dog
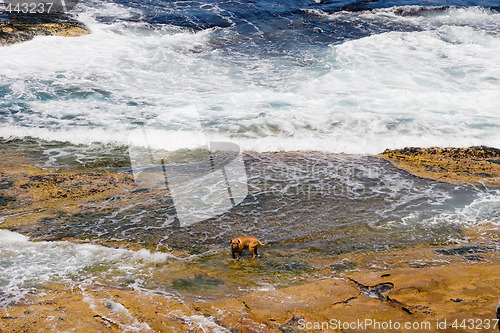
point(246, 242)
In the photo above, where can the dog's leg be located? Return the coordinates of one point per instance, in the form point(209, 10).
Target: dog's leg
point(254, 252)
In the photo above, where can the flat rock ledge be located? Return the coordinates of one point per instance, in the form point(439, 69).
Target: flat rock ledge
point(474, 165)
point(22, 28)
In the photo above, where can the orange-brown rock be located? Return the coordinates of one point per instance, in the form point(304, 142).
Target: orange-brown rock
point(21, 28)
point(30, 193)
point(420, 285)
point(474, 165)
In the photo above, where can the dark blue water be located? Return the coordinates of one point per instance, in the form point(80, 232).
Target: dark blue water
point(283, 26)
point(266, 16)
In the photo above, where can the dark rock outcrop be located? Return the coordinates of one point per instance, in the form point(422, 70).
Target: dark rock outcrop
point(20, 28)
point(473, 165)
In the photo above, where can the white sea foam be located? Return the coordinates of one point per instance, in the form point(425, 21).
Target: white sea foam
point(436, 87)
point(205, 324)
point(25, 264)
point(484, 209)
point(427, 17)
point(116, 313)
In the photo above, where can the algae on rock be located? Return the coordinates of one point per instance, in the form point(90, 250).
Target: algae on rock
point(20, 28)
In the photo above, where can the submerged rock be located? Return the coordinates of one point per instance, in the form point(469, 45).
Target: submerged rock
point(24, 27)
point(473, 165)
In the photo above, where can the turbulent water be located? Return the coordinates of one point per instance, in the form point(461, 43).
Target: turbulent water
point(323, 76)
point(336, 76)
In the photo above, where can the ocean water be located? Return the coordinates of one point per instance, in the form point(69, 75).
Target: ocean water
point(335, 76)
point(294, 84)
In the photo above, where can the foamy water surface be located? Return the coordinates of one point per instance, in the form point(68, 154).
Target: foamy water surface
point(381, 78)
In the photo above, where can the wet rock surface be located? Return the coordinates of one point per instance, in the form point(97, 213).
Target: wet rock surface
point(20, 28)
point(204, 291)
point(474, 165)
point(383, 287)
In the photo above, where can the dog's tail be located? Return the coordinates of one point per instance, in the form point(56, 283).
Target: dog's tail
point(264, 243)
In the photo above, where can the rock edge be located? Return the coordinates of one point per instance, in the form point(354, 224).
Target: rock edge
point(22, 28)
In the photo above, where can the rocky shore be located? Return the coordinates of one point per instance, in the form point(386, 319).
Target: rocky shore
point(21, 28)
point(474, 165)
point(424, 283)
point(415, 285)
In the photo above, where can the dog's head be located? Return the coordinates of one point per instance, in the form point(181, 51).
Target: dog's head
point(235, 244)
